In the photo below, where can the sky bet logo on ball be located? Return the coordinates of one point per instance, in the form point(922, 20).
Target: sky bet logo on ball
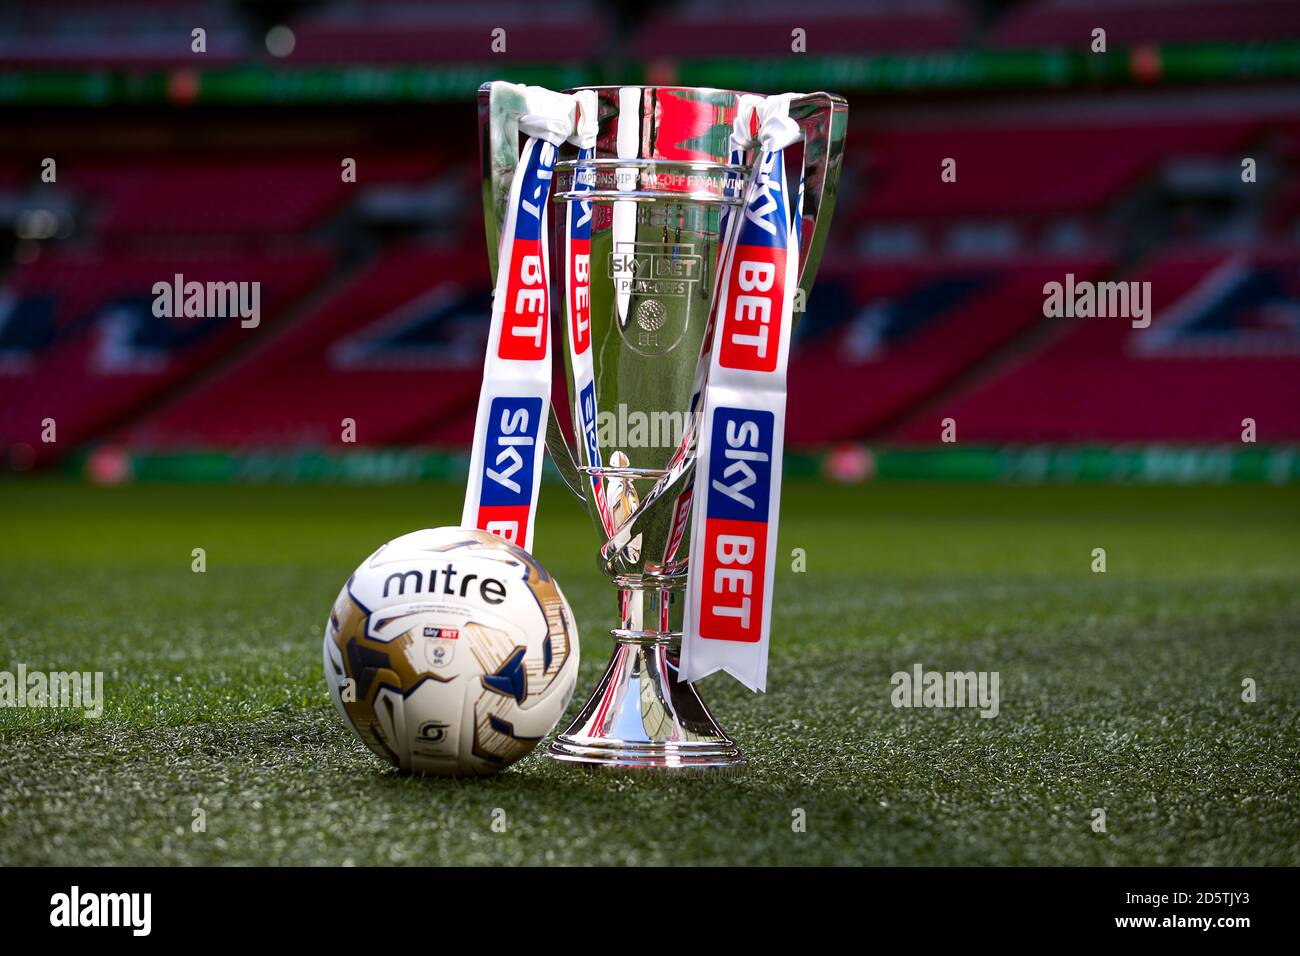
point(523, 328)
point(735, 534)
point(751, 326)
point(514, 432)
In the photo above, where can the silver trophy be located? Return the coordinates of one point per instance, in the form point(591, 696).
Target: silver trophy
point(660, 179)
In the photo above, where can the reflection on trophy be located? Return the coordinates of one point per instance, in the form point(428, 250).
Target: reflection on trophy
point(652, 197)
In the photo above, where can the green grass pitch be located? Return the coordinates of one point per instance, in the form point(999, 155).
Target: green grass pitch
point(1120, 691)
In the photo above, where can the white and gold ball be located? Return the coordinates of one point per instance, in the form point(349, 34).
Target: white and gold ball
point(451, 651)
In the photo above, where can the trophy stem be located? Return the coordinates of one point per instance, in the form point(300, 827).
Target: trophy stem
point(641, 717)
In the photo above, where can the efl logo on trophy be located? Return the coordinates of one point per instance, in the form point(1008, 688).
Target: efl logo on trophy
point(680, 210)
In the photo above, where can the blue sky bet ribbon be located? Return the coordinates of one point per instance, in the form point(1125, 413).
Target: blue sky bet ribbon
point(510, 428)
point(741, 431)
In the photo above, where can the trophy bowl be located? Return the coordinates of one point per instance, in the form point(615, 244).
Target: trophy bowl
point(653, 196)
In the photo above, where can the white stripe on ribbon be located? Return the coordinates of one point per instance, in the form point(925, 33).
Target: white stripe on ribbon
point(510, 428)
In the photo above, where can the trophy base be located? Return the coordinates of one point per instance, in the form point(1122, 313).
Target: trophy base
point(643, 718)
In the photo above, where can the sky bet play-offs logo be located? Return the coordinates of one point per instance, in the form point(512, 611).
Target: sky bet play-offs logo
point(523, 327)
point(514, 432)
point(735, 533)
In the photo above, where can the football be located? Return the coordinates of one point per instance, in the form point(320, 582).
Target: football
point(451, 652)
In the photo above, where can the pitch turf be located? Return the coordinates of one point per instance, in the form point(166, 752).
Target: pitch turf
point(1119, 691)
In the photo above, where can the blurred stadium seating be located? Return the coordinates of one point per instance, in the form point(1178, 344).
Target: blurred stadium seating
point(409, 31)
point(1225, 347)
point(79, 342)
point(66, 33)
point(876, 341)
point(748, 27)
point(1061, 22)
point(930, 301)
point(278, 196)
point(398, 348)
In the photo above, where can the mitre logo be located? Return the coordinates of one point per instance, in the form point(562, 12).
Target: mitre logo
point(416, 581)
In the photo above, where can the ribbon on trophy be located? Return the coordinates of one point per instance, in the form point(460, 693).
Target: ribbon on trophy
point(737, 489)
point(577, 279)
point(509, 431)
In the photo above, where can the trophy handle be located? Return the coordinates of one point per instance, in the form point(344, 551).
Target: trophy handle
point(823, 117)
point(499, 107)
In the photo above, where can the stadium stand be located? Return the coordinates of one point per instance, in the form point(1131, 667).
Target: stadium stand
point(883, 336)
point(399, 349)
point(278, 195)
point(747, 27)
point(1223, 345)
point(198, 199)
point(403, 31)
point(1029, 169)
point(1062, 23)
point(877, 340)
point(929, 303)
point(80, 343)
point(68, 33)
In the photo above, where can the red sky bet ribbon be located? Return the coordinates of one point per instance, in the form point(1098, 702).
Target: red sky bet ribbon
point(506, 461)
point(738, 467)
